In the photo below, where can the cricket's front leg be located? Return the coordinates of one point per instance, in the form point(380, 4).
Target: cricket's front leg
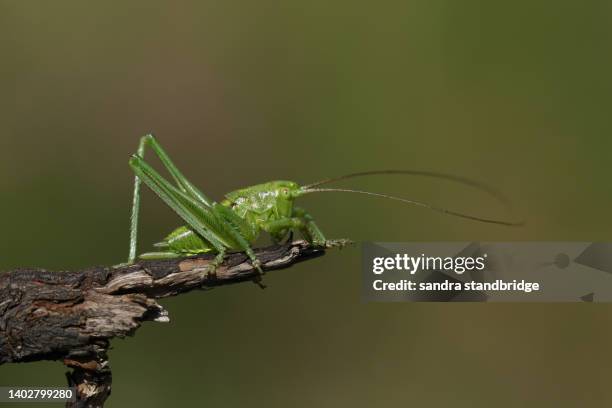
point(303, 222)
point(309, 228)
point(316, 236)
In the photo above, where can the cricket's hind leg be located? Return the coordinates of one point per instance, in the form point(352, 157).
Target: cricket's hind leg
point(212, 265)
point(181, 181)
point(150, 256)
point(198, 216)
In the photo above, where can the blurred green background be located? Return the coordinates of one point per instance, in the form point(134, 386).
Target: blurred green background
point(516, 94)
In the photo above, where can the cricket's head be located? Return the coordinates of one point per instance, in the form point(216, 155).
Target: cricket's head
point(283, 191)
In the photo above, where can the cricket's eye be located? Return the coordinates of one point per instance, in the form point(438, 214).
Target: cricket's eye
point(285, 191)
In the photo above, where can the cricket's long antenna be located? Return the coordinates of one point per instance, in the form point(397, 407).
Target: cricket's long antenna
point(421, 173)
point(418, 204)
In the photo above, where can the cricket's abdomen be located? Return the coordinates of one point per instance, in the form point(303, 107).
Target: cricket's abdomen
point(183, 240)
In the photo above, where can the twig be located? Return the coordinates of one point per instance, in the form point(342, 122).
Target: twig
point(72, 316)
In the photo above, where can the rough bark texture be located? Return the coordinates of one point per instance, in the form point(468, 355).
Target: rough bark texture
point(72, 316)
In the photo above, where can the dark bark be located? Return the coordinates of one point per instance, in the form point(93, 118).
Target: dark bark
point(72, 316)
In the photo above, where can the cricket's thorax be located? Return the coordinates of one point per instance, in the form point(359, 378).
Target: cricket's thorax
point(262, 203)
